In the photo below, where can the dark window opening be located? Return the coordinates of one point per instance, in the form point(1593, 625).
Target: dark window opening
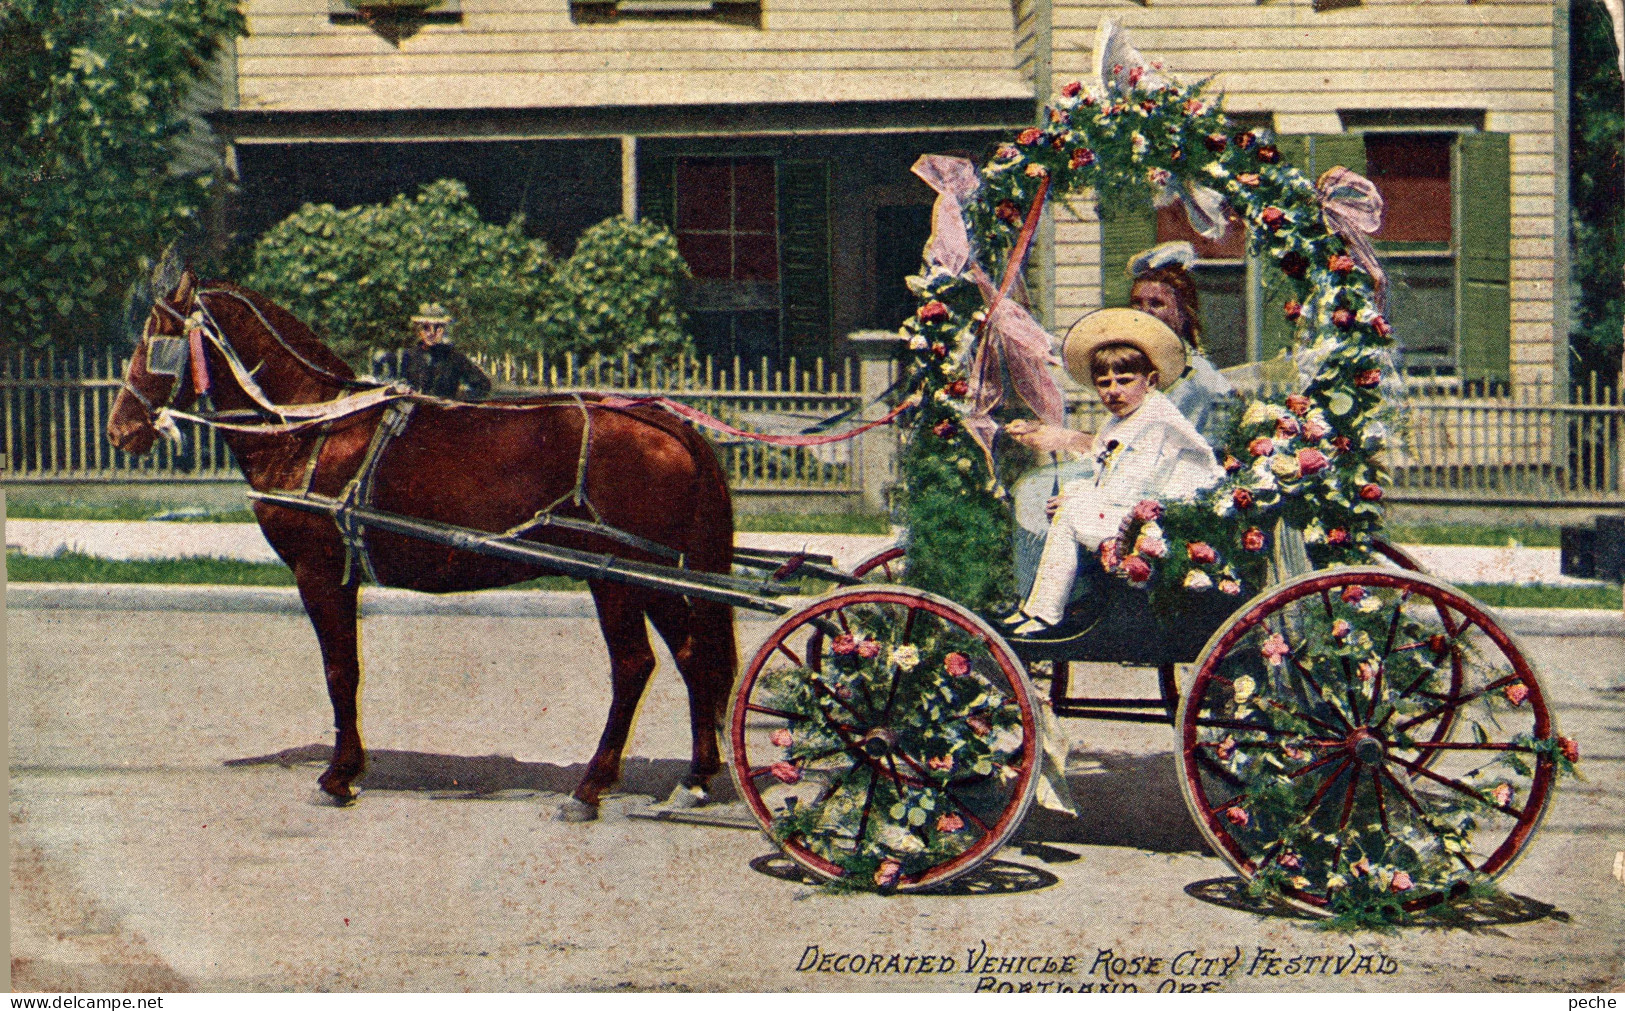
point(727, 231)
point(1412, 172)
point(901, 232)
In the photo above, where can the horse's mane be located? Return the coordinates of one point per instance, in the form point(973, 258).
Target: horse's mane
point(301, 338)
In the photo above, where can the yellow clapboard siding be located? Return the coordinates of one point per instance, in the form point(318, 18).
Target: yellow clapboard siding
point(1078, 19)
point(582, 90)
point(1414, 61)
point(1174, 46)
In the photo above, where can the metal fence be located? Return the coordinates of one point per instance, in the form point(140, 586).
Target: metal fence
point(1519, 447)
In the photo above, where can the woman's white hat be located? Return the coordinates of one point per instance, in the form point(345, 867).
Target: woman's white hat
point(1123, 326)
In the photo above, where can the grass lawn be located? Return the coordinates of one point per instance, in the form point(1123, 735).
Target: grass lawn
point(71, 567)
point(1477, 536)
point(1604, 598)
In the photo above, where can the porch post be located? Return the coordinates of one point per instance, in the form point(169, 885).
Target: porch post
point(629, 177)
point(880, 354)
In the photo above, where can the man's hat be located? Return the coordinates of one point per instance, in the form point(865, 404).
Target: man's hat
point(430, 312)
point(1124, 326)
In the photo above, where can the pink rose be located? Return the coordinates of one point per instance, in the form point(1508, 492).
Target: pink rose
point(1136, 569)
point(1110, 554)
point(958, 388)
point(1195, 107)
point(1570, 748)
point(1242, 498)
point(1298, 404)
point(1340, 264)
point(1342, 444)
point(1147, 510)
point(1515, 693)
point(781, 738)
point(932, 312)
point(1229, 587)
point(1312, 461)
point(1361, 868)
point(1503, 795)
point(1402, 882)
point(1071, 89)
point(1287, 426)
point(1315, 430)
point(1253, 539)
point(1081, 158)
point(1215, 142)
point(1382, 326)
point(1273, 218)
point(1201, 553)
point(1368, 378)
point(1268, 154)
point(1289, 860)
point(1337, 535)
point(939, 349)
point(1231, 464)
point(1275, 649)
point(1134, 75)
point(943, 764)
point(1261, 446)
point(1007, 211)
point(845, 644)
point(1343, 319)
point(868, 649)
point(979, 725)
point(1370, 492)
point(950, 823)
point(1341, 629)
point(1226, 748)
point(888, 872)
point(784, 772)
point(957, 663)
point(1245, 140)
point(1248, 178)
point(1238, 815)
point(944, 429)
point(1030, 136)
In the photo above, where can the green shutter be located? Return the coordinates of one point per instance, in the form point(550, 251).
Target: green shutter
point(1332, 149)
point(1485, 264)
point(804, 261)
point(657, 191)
point(1274, 332)
point(1124, 231)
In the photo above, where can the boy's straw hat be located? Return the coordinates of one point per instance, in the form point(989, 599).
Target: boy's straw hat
point(1123, 326)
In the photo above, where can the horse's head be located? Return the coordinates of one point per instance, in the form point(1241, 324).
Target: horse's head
point(158, 373)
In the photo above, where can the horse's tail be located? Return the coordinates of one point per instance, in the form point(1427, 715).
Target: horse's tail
point(710, 549)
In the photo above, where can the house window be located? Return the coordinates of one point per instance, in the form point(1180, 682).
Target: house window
point(1417, 244)
point(1220, 273)
point(727, 231)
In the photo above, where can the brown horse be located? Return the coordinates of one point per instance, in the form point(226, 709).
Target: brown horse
point(484, 466)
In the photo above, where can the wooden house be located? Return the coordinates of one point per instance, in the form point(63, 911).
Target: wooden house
point(775, 137)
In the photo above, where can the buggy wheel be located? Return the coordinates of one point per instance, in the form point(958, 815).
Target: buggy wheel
point(1311, 752)
point(882, 566)
point(1396, 556)
point(885, 736)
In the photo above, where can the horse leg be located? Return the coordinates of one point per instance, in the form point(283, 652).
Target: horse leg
point(700, 637)
point(332, 610)
point(631, 661)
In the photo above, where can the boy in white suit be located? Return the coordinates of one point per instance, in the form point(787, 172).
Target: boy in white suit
point(1146, 450)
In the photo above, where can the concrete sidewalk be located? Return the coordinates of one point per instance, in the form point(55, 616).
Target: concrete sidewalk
point(243, 541)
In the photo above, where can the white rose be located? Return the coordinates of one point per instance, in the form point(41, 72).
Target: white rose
point(1258, 413)
point(918, 343)
point(1313, 532)
point(905, 657)
point(1151, 546)
point(1198, 580)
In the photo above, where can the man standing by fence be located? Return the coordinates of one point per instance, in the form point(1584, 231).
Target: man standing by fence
point(432, 365)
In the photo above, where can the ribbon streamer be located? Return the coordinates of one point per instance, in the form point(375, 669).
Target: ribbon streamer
point(1351, 206)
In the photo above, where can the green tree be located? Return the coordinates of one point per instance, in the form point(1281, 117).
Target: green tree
point(91, 112)
point(620, 292)
point(358, 275)
point(1596, 190)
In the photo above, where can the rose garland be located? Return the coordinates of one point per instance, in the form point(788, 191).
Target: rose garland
point(1307, 458)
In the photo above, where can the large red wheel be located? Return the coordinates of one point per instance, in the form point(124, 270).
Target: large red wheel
point(887, 736)
point(882, 566)
point(1310, 746)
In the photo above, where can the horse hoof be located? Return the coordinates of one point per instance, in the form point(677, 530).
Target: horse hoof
point(574, 810)
point(688, 796)
point(327, 798)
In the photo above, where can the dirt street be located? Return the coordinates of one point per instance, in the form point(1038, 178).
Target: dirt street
point(166, 833)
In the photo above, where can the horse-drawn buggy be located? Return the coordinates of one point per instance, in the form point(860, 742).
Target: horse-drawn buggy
point(1348, 732)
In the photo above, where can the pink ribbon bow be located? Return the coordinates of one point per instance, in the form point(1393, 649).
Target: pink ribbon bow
point(1352, 209)
point(1012, 341)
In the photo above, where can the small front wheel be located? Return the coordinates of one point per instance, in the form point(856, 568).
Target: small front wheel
point(885, 736)
point(1366, 737)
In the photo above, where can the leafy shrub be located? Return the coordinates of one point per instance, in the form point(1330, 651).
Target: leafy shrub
point(358, 275)
point(620, 292)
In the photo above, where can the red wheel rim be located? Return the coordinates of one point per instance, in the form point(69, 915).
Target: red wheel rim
point(1354, 739)
point(882, 567)
point(988, 818)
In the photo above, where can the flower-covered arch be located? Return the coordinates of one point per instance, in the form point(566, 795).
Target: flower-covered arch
point(1308, 458)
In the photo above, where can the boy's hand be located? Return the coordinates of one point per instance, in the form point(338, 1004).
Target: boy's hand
point(1053, 506)
point(1046, 438)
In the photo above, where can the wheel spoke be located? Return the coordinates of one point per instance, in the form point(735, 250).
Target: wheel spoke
point(1314, 802)
point(1312, 766)
point(908, 626)
point(780, 713)
point(1456, 703)
point(1465, 746)
point(1214, 766)
point(1382, 806)
point(787, 652)
point(868, 801)
point(1309, 676)
point(1457, 785)
point(1410, 798)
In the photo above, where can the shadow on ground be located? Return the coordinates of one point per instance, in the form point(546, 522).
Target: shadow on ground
point(476, 777)
point(995, 877)
point(1473, 914)
point(1122, 800)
